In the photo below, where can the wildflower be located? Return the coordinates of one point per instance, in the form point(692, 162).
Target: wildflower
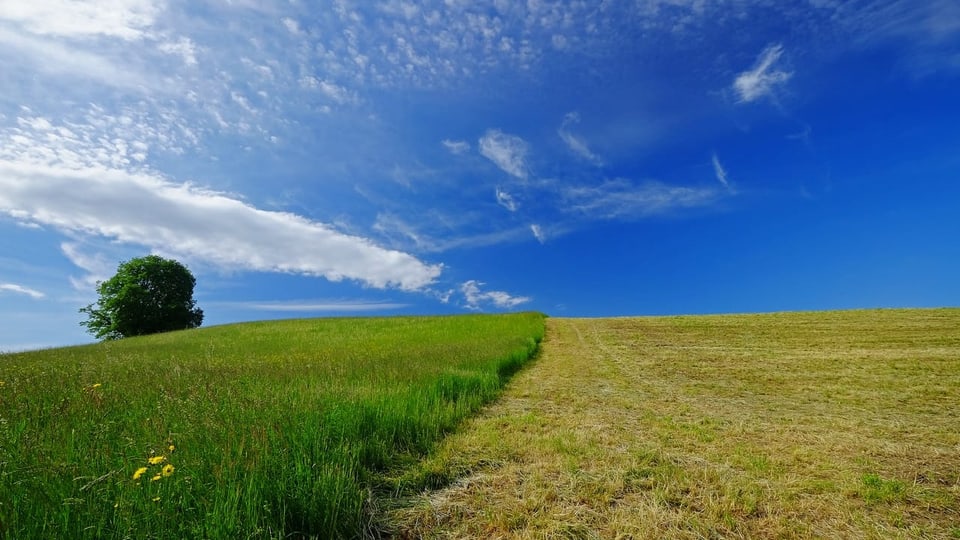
point(155, 460)
point(139, 473)
point(168, 469)
point(96, 385)
point(172, 447)
point(155, 477)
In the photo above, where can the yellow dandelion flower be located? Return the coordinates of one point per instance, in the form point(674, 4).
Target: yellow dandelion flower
point(156, 460)
point(97, 385)
point(172, 448)
point(139, 473)
point(168, 469)
point(155, 477)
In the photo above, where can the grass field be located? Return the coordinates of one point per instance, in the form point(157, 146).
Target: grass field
point(260, 430)
point(802, 425)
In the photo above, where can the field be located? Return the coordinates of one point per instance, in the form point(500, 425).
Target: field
point(259, 430)
point(791, 425)
point(802, 425)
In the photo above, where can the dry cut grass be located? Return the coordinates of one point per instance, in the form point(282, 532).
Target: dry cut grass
point(794, 425)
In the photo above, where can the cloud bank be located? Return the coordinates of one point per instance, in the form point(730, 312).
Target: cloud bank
point(124, 19)
point(82, 188)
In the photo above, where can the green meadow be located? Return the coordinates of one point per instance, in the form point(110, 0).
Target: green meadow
point(257, 430)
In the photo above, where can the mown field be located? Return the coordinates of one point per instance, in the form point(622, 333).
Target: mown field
point(259, 430)
point(791, 425)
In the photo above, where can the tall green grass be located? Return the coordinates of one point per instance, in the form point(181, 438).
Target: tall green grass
point(267, 429)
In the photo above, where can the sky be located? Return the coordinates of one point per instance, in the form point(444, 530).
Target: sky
point(579, 158)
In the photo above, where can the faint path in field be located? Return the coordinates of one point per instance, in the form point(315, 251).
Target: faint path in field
point(639, 428)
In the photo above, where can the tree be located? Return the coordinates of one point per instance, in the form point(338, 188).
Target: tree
point(146, 296)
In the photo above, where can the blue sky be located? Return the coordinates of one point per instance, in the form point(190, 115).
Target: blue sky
point(575, 157)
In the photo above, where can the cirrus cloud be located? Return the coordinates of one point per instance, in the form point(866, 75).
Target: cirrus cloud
point(762, 79)
point(622, 199)
point(456, 147)
point(506, 151)
point(719, 171)
point(576, 144)
point(506, 200)
point(20, 289)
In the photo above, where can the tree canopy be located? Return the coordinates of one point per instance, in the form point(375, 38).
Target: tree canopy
point(146, 296)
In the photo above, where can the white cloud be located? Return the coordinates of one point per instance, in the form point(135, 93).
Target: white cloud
point(291, 25)
point(94, 137)
point(620, 199)
point(508, 152)
point(335, 92)
point(430, 44)
point(20, 289)
point(184, 48)
point(438, 232)
point(537, 231)
point(407, 10)
point(140, 208)
point(124, 19)
point(97, 267)
point(243, 102)
point(719, 171)
point(443, 296)
point(53, 58)
point(79, 187)
point(762, 79)
point(456, 147)
point(576, 144)
point(398, 231)
point(505, 200)
point(475, 297)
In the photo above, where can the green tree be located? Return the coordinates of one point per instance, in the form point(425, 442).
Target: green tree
point(146, 296)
